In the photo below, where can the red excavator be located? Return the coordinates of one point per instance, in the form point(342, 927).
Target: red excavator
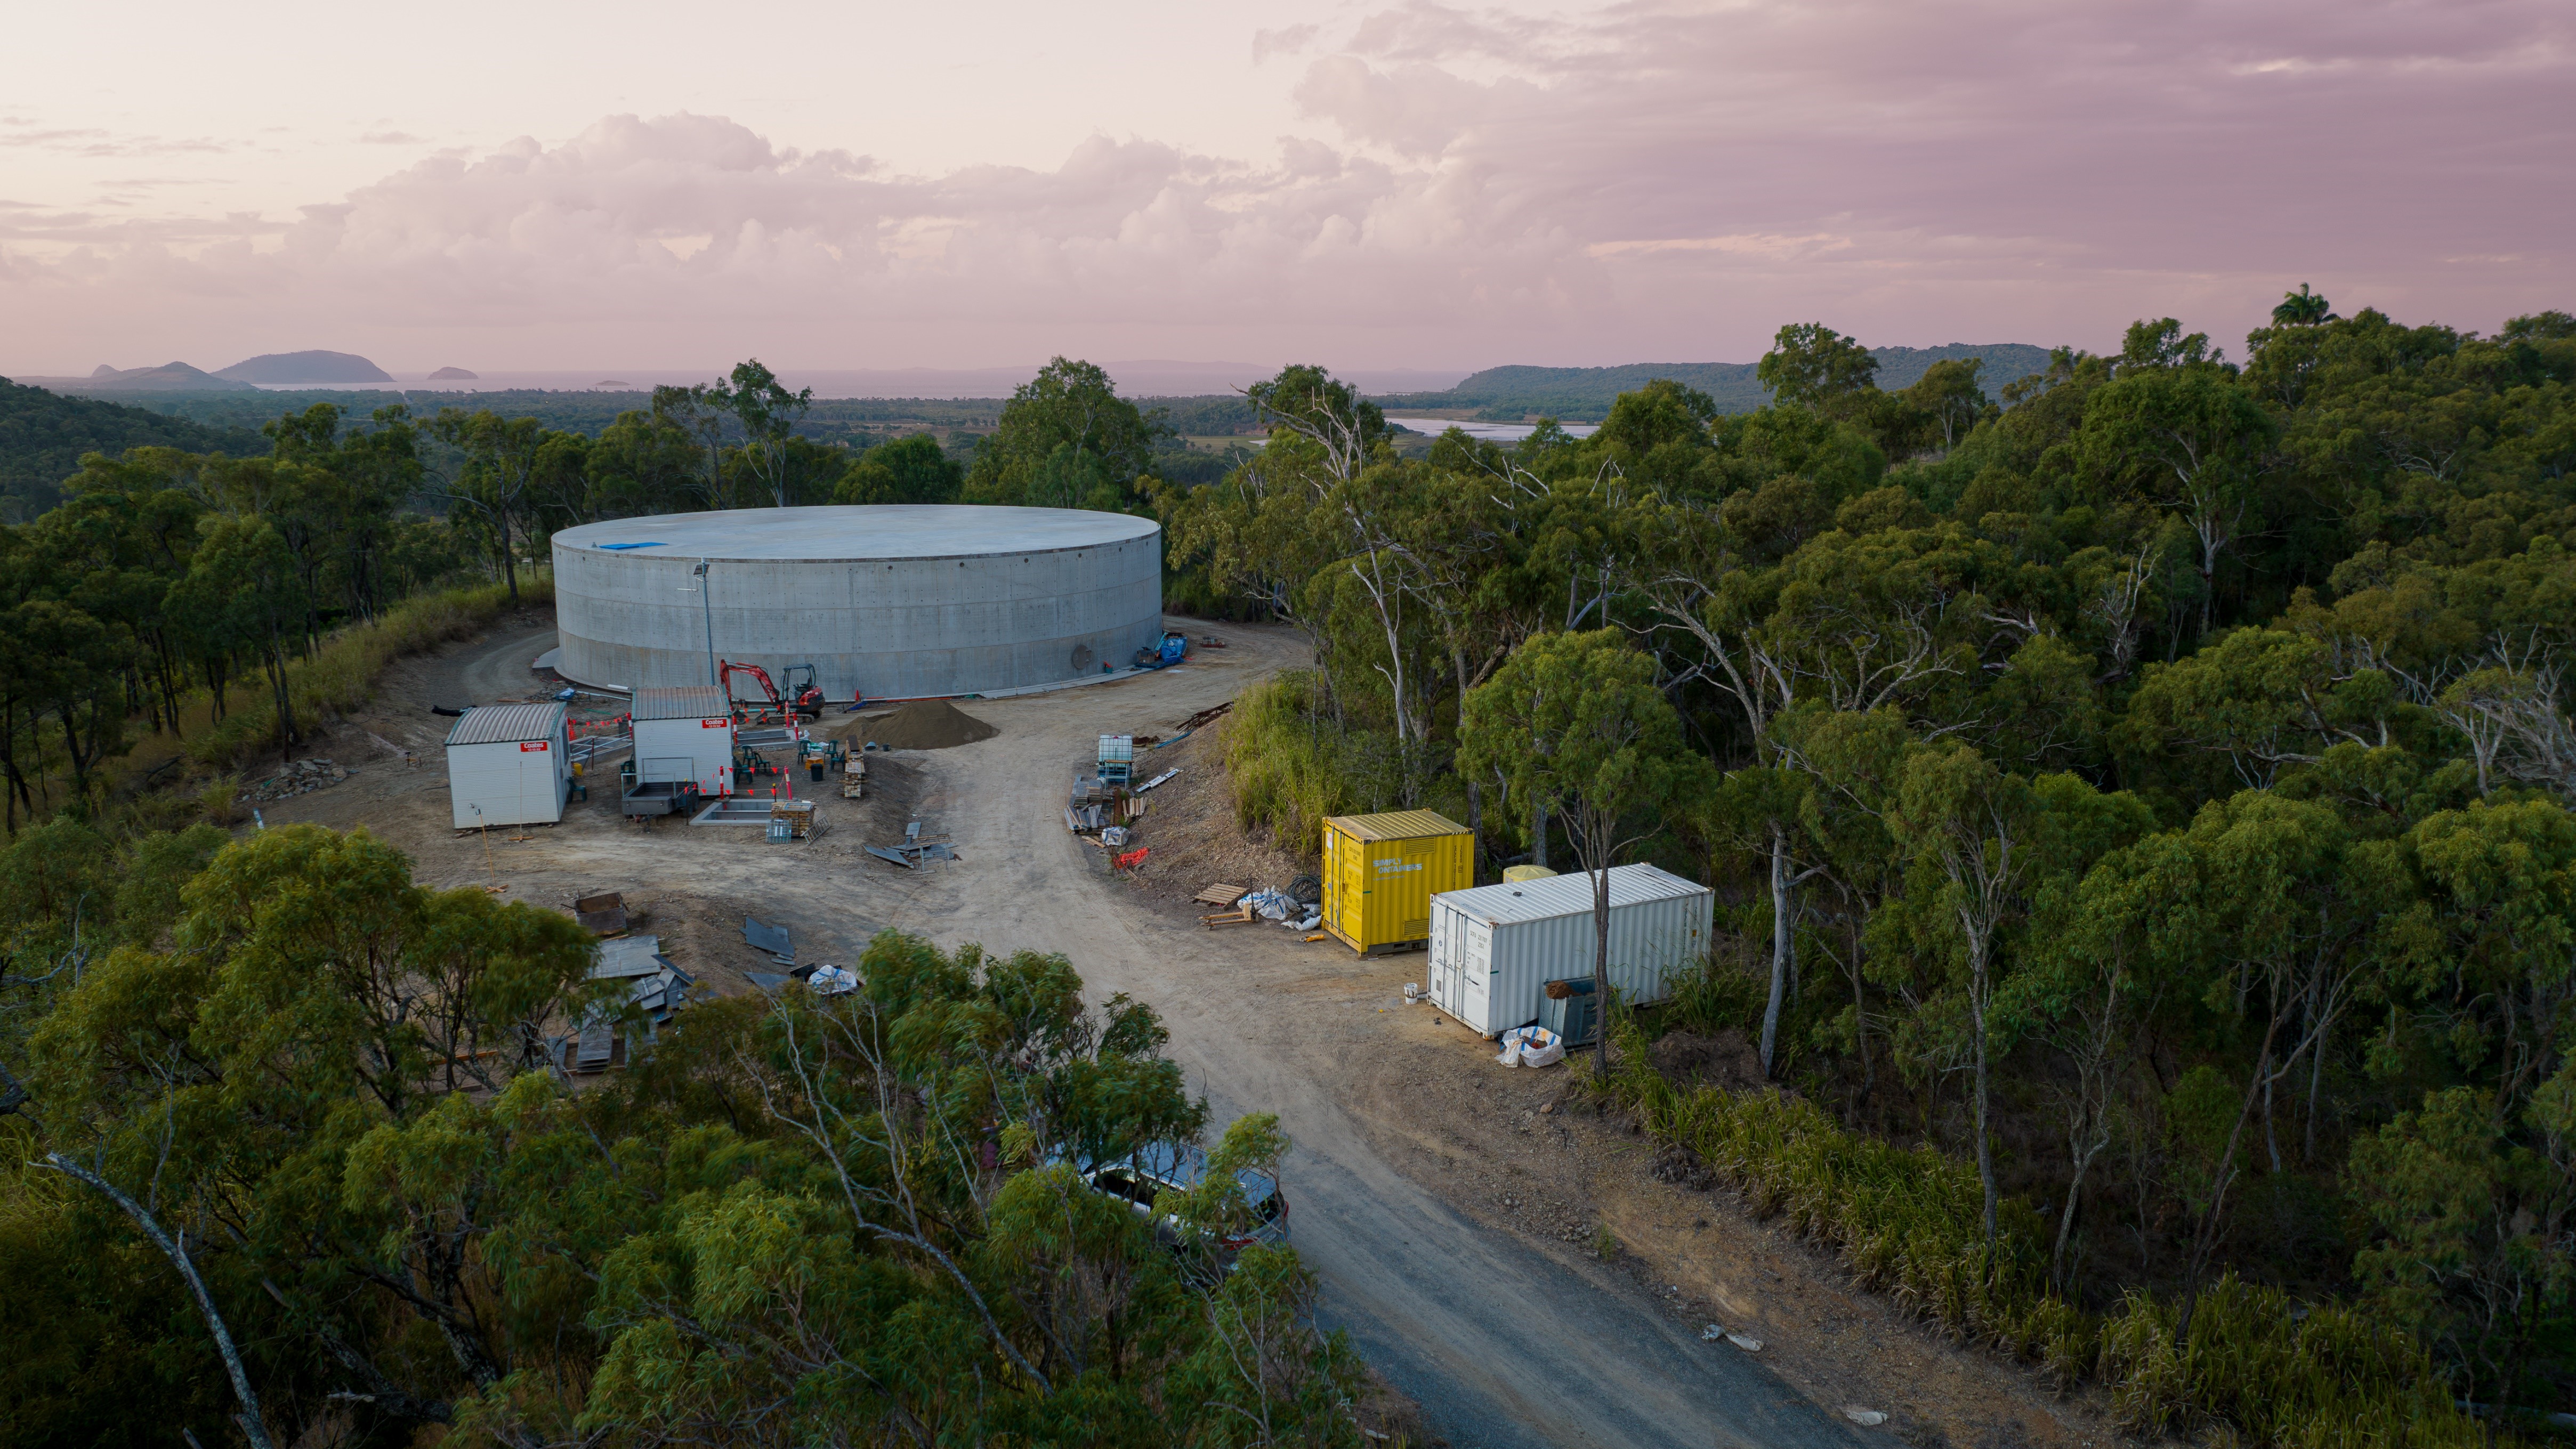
point(803, 695)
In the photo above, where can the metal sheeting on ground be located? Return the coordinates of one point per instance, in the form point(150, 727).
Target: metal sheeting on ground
point(624, 956)
point(772, 939)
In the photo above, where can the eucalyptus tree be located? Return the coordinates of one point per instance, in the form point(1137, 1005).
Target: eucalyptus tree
point(1575, 720)
point(767, 414)
point(2184, 434)
point(1063, 434)
point(501, 463)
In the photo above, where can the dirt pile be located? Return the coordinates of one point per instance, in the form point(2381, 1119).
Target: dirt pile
point(924, 724)
point(1725, 1061)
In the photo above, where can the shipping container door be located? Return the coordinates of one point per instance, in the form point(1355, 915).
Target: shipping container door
point(1443, 970)
point(1350, 864)
point(1332, 873)
point(1409, 910)
point(1478, 971)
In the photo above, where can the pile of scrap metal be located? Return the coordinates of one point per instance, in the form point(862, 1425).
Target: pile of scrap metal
point(824, 978)
point(914, 850)
point(655, 988)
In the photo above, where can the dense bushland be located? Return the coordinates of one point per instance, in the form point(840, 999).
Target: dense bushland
point(280, 1069)
point(2138, 801)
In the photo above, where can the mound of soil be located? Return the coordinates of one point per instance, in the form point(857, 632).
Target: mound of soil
point(925, 724)
point(1725, 1061)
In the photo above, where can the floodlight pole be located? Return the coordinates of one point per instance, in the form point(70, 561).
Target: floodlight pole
point(707, 606)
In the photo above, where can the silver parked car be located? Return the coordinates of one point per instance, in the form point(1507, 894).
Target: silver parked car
point(1138, 1179)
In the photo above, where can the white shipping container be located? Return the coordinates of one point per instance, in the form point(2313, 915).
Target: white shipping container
point(1494, 948)
point(684, 734)
point(509, 764)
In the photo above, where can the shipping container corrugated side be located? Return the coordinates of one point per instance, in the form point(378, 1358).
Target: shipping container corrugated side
point(1494, 948)
point(1381, 871)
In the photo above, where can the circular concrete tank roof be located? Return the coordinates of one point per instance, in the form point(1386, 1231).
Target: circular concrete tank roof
point(854, 533)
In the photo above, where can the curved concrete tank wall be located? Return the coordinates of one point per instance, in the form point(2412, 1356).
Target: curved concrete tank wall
point(889, 600)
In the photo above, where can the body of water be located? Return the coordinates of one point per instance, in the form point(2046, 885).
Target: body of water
point(1491, 432)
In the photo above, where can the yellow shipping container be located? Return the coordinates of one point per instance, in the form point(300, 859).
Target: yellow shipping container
point(1381, 871)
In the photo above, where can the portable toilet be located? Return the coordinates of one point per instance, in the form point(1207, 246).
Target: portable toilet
point(1495, 948)
point(684, 734)
point(1381, 871)
point(509, 764)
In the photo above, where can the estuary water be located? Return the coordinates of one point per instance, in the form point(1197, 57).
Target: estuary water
point(1491, 432)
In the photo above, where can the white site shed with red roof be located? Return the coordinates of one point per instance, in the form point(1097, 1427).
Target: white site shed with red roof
point(509, 764)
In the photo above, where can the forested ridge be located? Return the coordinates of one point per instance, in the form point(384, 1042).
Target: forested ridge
point(42, 438)
point(2144, 788)
point(1511, 394)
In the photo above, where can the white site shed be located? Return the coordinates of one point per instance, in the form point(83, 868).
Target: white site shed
point(509, 764)
point(1494, 948)
point(684, 733)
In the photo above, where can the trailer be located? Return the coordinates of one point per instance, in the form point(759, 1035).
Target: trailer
point(509, 764)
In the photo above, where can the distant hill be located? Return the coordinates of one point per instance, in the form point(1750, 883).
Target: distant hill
point(1584, 394)
point(43, 434)
point(289, 369)
point(454, 374)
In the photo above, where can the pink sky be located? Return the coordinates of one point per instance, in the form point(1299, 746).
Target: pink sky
point(516, 187)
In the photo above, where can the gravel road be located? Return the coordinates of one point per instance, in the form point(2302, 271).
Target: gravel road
point(1502, 1346)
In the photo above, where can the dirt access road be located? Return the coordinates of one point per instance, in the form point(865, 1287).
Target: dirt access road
point(1502, 1345)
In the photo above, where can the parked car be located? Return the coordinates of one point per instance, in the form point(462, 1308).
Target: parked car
point(1136, 1181)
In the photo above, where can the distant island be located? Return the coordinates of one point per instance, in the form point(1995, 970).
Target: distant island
point(291, 368)
point(453, 374)
point(168, 377)
point(1584, 394)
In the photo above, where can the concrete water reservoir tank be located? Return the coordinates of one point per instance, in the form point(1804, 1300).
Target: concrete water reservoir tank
point(886, 600)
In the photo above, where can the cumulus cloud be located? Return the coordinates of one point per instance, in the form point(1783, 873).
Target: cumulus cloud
point(1653, 179)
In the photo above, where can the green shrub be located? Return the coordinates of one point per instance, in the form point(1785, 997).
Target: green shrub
point(1285, 771)
point(2255, 1365)
point(1714, 996)
point(1910, 1223)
